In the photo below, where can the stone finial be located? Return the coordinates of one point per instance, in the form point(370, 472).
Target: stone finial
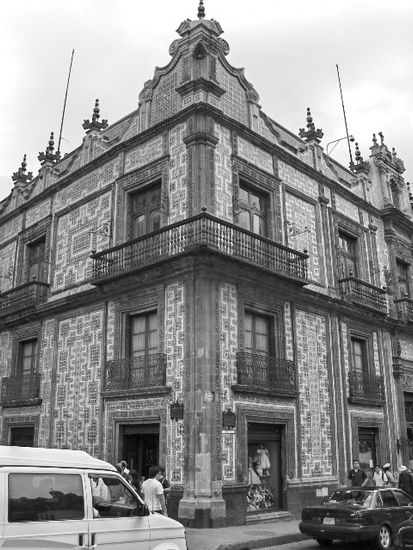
point(374, 140)
point(20, 176)
point(311, 134)
point(381, 138)
point(201, 10)
point(95, 124)
point(359, 166)
point(49, 155)
point(357, 154)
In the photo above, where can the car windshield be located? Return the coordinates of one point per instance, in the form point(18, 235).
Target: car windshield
point(350, 496)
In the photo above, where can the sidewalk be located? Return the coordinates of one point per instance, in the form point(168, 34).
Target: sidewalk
point(244, 537)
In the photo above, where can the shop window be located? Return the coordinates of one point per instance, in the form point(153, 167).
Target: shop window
point(348, 255)
point(145, 211)
point(35, 269)
point(264, 467)
point(403, 278)
point(251, 210)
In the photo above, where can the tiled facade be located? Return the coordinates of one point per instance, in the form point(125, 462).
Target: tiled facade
point(274, 285)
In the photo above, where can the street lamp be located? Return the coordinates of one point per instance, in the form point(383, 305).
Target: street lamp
point(336, 141)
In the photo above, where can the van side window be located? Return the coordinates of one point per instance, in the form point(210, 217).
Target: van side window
point(111, 498)
point(45, 497)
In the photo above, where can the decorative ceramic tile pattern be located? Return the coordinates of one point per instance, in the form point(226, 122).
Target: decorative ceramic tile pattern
point(347, 208)
point(228, 456)
point(314, 394)
point(5, 353)
point(88, 184)
point(165, 100)
point(255, 155)
point(7, 259)
point(223, 174)
point(307, 156)
point(78, 377)
point(175, 351)
point(302, 231)
point(110, 336)
point(234, 101)
point(298, 180)
point(74, 241)
point(11, 228)
point(178, 185)
point(376, 353)
point(47, 362)
point(144, 154)
point(38, 212)
point(406, 348)
point(344, 340)
point(288, 332)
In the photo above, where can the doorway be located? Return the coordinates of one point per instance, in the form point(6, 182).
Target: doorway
point(139, 447)
point(265, 448)
point(367, 447)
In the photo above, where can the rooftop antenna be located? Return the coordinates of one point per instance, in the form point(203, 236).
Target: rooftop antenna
point(345, 119)
point(64, 103)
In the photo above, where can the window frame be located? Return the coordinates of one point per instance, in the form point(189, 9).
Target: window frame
point(132, 197)
point(272, 324)
point(365, 355)
point(128, 332)
point(34, 361)
point(241, 206)
point(345, 257)
point(403, 280)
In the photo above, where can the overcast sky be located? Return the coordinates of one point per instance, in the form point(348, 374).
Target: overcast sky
point(289, 51)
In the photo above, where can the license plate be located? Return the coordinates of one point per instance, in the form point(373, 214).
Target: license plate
point(329, 521)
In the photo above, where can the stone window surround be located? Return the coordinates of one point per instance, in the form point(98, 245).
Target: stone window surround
point(28, 236)
point(355, 331)
point(277, 340)
point(361, 420)
point(357, 232)
point(20, 421)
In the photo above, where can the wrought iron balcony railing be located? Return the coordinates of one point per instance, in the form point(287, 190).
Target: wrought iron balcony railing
point(404, 307)
point(204, 231)
point(265, 372)
point(135, 372)
point(366, 386)
point(20, 389)
point(23, 296)
point(364, 294)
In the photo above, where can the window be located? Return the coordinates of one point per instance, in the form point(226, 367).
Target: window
point(388, 499)
point(403, 278)
point(36, 260)
point(145, 209)
point(251, 211)
point(22, 436)
point(359, 355)
point(111, 498)
point(45, 497)
point(27, 357)
point(144, 339)
point(348, 255)
point(257, 334)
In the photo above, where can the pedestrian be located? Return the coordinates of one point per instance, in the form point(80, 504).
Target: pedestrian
point(356, 475)
point(153, 491)
point(166, 486)
point(369, 481)
point(391, 478)
point(379, 478)
point(406, 480)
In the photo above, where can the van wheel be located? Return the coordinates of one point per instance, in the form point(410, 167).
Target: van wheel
point(324, 542)
point(384, 538)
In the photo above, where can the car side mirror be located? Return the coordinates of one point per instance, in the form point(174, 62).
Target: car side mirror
point(141, 509)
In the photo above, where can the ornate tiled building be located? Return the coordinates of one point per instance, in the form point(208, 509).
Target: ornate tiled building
point(199, 287)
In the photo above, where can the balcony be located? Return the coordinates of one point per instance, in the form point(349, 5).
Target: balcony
point(404, 308)
point(20, 390)
point(200, 232)
point(136, 374)
point(363, 294)
point(263, 374)
point(23, 297)
point(366, 387)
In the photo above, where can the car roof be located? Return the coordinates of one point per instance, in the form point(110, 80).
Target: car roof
point(55, 458)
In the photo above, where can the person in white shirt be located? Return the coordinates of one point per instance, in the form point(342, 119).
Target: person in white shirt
point(153, 491)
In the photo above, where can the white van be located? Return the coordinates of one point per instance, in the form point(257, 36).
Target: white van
point(53, 499)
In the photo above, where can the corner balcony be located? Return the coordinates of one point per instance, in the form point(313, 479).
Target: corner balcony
point(363, 294)
point(366, 387)
point(20, 390)
point(136, 375)
point(404, 307)
point(265, 374)
point(193, 234)
point(23, 297)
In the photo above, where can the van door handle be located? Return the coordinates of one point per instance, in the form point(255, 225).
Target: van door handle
point(92, 541)
point(81, 539)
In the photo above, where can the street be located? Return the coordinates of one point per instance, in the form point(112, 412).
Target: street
point(311, 544)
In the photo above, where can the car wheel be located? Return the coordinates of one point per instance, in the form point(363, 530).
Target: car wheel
point(384, 538)
point(324, 542)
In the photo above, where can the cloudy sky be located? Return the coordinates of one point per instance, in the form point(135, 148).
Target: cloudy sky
point(289, 51)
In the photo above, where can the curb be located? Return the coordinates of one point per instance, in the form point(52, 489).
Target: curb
point(262, 543)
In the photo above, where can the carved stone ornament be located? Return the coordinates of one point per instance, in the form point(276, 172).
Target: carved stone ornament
point(224, 46)
point(174, 46)
point(403, 252)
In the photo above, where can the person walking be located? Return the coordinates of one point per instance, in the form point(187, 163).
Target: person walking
point(356, 475)
point(153, 491)
point(166, 486)
point(406, 480)
point(379, 478)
